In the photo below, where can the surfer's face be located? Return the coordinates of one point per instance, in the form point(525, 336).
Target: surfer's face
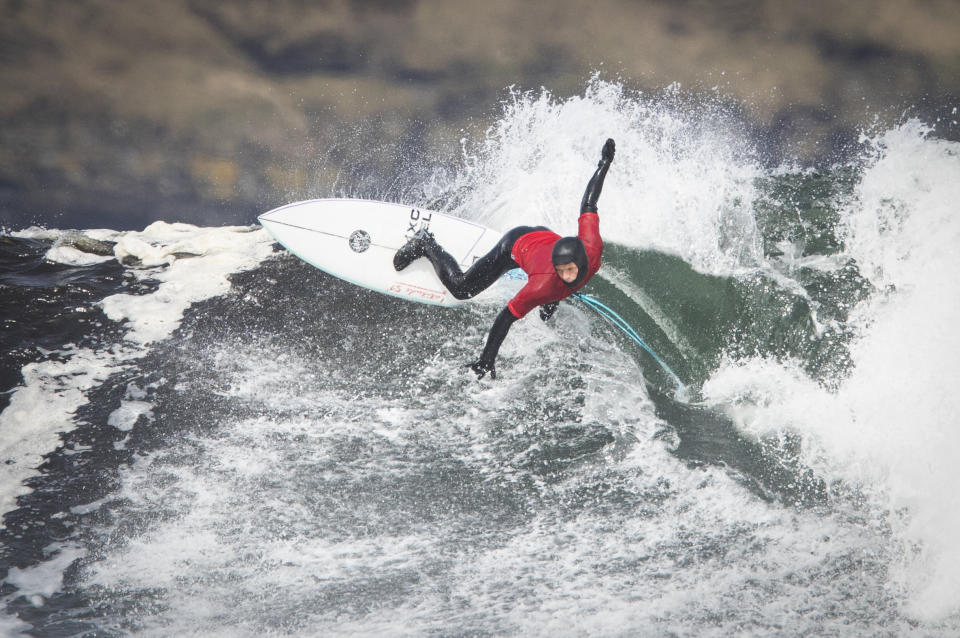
point(567, 272)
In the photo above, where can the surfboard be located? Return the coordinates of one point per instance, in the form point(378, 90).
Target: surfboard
point(355, 240)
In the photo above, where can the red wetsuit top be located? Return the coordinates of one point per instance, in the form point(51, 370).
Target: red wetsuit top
point(533, 252)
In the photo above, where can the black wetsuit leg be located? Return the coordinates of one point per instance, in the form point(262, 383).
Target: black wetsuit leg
point(483, 272)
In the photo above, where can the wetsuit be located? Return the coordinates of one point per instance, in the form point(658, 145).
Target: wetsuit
point(532, 253)
point(532, 249)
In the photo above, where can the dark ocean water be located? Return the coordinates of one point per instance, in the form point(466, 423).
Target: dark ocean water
point(202, 435)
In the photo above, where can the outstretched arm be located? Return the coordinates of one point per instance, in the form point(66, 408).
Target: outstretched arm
point(497, 334)
point(592, 194)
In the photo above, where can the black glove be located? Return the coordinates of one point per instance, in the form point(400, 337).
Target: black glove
point(498, 332)
point(608, 151)
point(482, 367)
point(547, 309)
point(590, 196)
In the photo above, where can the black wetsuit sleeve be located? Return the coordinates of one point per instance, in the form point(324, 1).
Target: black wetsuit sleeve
point(497, 334)
point(590, 196)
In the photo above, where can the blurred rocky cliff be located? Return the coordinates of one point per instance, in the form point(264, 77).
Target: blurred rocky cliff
point(116, 113)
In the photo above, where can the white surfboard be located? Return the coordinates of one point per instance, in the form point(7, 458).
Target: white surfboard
point(355, 240)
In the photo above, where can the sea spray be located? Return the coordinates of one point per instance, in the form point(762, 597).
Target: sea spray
point(891, 427)
point(682, 182)
point(904, 232)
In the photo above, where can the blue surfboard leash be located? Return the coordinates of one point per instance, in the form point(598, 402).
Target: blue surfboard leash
point(618, 321)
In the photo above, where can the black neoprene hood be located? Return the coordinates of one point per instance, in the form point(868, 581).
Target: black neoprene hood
point(571, 249)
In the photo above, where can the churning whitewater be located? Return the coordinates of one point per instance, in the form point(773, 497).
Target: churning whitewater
point(202, 435)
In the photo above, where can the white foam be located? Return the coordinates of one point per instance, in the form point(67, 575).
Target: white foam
point(37, 583)
point(40, 409)
point(129, 412)
point(893, 424)
point(74, 257)
point(46, 578)
point(36, 232)
point(216, 254)
point(64, 250)
point(11, 625)
point(676, 184)
point(904, 232)
point(192, 263)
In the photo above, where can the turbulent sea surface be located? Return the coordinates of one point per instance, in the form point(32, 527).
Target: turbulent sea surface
point(202, 435)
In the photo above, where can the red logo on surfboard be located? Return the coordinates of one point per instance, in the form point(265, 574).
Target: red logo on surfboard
point(409, 290)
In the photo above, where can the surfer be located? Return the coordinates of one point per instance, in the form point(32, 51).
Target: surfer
point(556, 266)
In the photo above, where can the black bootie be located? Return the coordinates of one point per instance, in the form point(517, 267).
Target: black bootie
point(415, 248)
